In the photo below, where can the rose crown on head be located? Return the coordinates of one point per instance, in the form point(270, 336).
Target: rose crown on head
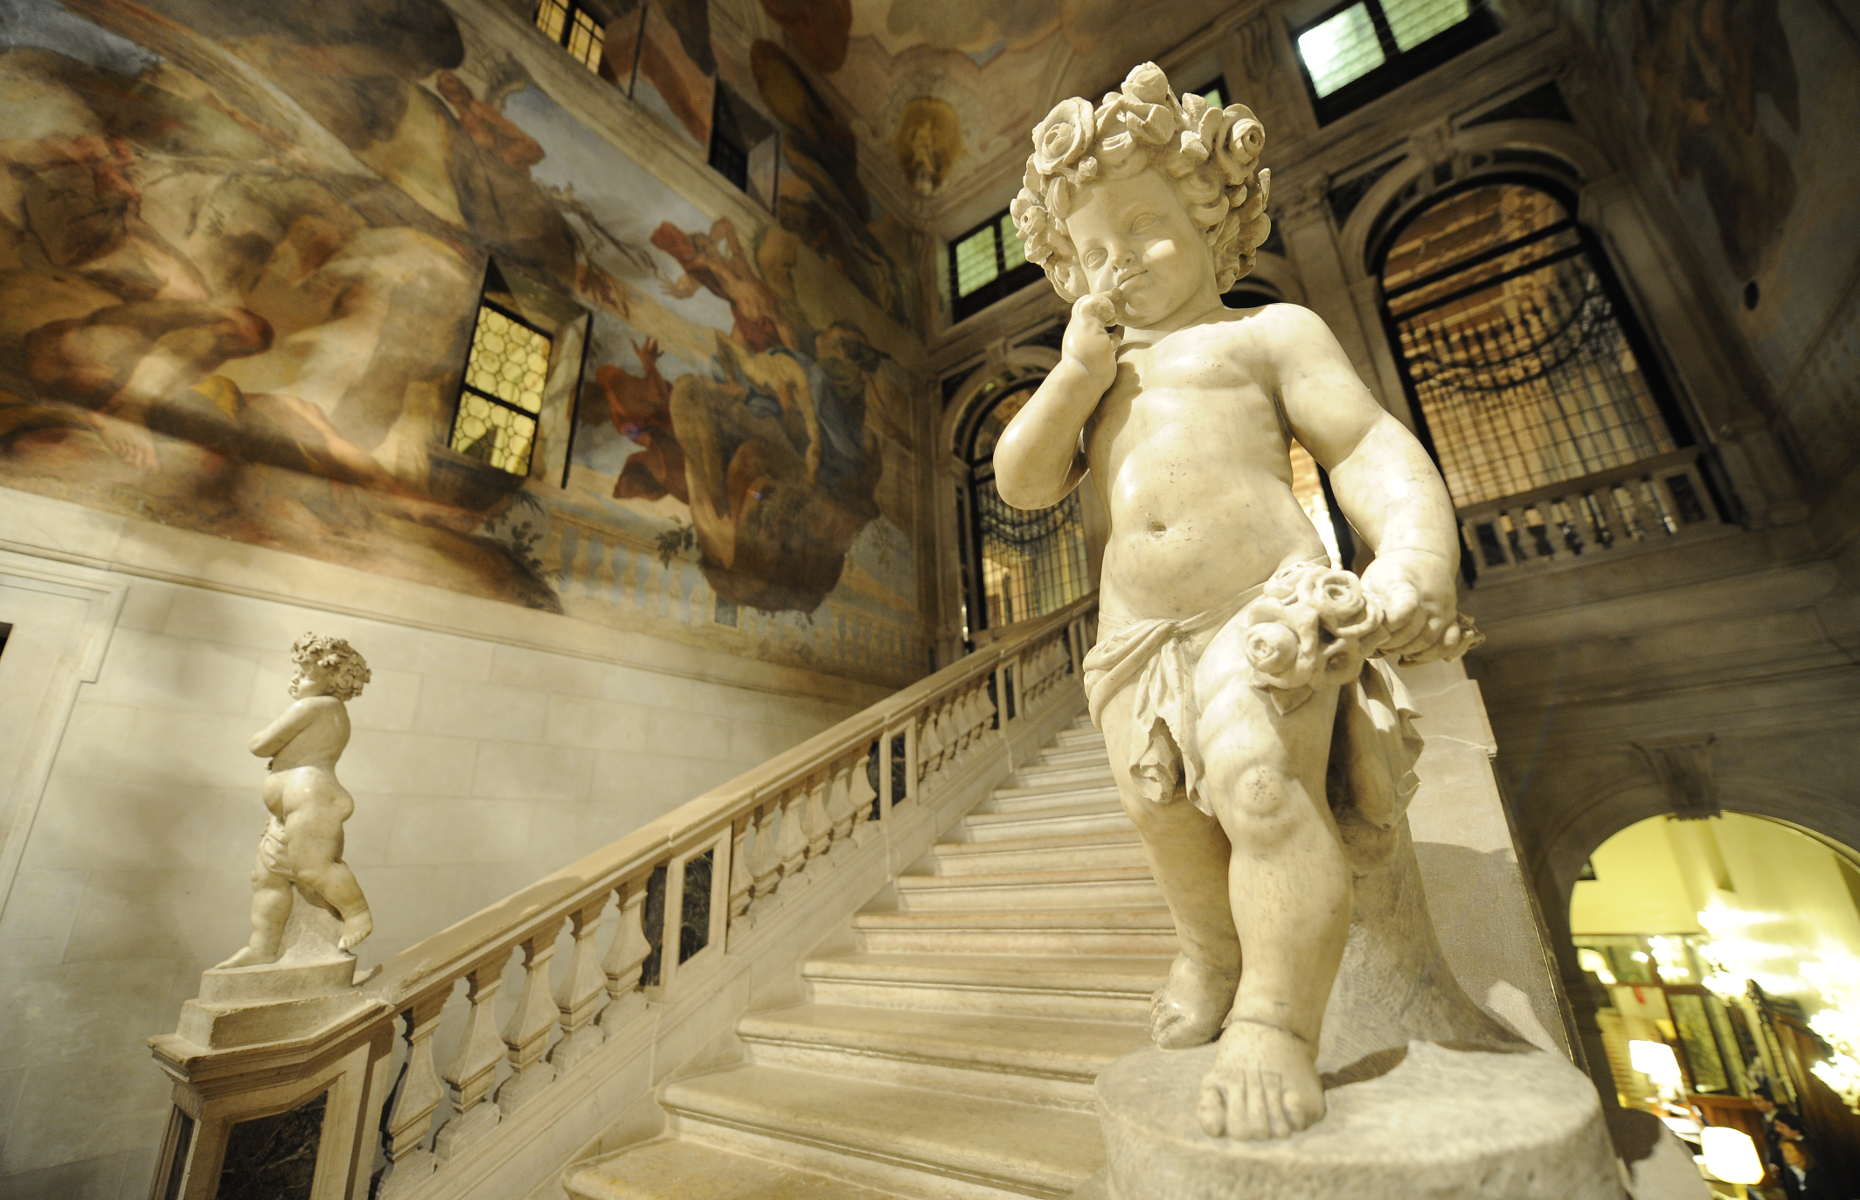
point(1210, 154)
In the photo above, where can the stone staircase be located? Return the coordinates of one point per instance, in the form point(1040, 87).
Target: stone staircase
point(952, 1054)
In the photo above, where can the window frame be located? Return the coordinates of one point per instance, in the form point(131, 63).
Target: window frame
point(571, 10)
point(1649, 359)
point(724, 98)
point(558, 414)
point(1398, 66)
point(1007, 280)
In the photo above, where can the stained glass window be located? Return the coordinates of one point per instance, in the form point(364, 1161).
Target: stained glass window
point(574, 28)
point(503, 390)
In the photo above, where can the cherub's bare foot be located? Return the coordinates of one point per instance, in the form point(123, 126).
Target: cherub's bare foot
point(1189, 1009)
point(355, 930)
point(248, 957)
point(1264, 1084)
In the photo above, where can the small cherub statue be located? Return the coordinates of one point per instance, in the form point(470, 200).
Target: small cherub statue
point(301, 847)
point(1234, 667)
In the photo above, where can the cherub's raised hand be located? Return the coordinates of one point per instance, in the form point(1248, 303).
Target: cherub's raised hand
point(1419, 598)
point(1089, 340)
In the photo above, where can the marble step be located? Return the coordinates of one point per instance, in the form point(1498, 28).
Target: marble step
point(1078, 735)
point(915, 1141)
point(1074, 756)
point(676, 1169)
point(1034, 1060)
point(1019, 931)
point(1027, 797)
point(1036, 774)
point(1119, 848)
point(1100, 887)
point(1087, 987)
point(1103, 815)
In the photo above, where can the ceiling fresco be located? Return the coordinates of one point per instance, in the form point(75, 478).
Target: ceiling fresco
point(993, 69)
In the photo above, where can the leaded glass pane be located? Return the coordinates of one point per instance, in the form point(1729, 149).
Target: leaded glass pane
point(508, 360)
point(1341, 49)
point(585, 39)
point(975, 261)
point(1013, 250)
point(493, 434)
point(552, 17)
point(1414, 21)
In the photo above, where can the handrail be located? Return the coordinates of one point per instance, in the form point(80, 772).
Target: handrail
point(1650, 502)
point(1681, 458)
point(739, 843)
point(408, 972)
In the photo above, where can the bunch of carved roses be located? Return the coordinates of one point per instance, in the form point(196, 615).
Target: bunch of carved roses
point(1312, 624)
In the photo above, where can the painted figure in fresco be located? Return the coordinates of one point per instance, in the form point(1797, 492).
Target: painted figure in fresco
point(641, 409)
point(1234, 664)
point(300, 852)
point(716, 262)
point(1702, 66)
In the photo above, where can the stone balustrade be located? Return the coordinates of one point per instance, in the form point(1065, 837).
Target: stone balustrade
point(1654, 502)
point(421, 1083)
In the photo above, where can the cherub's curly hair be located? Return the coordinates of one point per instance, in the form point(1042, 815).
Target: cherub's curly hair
point(347, 670)
point(1210, 154)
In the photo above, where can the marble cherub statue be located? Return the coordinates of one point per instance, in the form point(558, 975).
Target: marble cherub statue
point(1262, 750)
point(301, 848)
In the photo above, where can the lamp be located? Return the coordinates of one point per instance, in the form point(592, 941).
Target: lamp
point(1730, 1155)
point(1657, 1062)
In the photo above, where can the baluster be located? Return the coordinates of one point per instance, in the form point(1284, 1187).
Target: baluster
point(862, 792)
point(840, 802)
point(626, 955)
point(767, 862)
point(816, 825)
point(929, 749)
point(527, 1034)
point(410, 1118)
point(742, 878)
point(792, 843)
point(474, 1068)
point(579, 995)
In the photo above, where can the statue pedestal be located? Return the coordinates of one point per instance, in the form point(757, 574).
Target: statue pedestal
point(1439, 1124)
point(311, 987)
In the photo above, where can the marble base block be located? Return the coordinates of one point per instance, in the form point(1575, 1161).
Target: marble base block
point(1434, 1124)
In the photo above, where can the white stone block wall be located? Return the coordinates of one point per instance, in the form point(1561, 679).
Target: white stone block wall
point(478, 764)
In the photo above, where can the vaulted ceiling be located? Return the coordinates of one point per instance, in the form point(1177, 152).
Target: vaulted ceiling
point(945, 92)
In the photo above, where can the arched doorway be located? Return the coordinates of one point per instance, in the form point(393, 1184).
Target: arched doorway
point(1722, 959)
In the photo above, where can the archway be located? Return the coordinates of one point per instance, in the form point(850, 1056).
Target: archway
point(1721, 958)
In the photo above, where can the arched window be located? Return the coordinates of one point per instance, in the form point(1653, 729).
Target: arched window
point(1534, 389)
point(1018, 564)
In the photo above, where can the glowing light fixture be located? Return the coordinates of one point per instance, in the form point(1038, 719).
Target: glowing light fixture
point(1657, 1062)
point(1596, 963)
point(1730, 1155)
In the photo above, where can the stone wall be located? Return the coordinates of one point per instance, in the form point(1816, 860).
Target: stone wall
point(486, 753)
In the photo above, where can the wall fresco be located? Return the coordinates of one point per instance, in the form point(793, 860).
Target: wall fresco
point(240, 255)
point(1736, 104)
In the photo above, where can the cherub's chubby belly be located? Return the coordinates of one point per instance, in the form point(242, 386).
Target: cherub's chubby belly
point(1186, 538)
